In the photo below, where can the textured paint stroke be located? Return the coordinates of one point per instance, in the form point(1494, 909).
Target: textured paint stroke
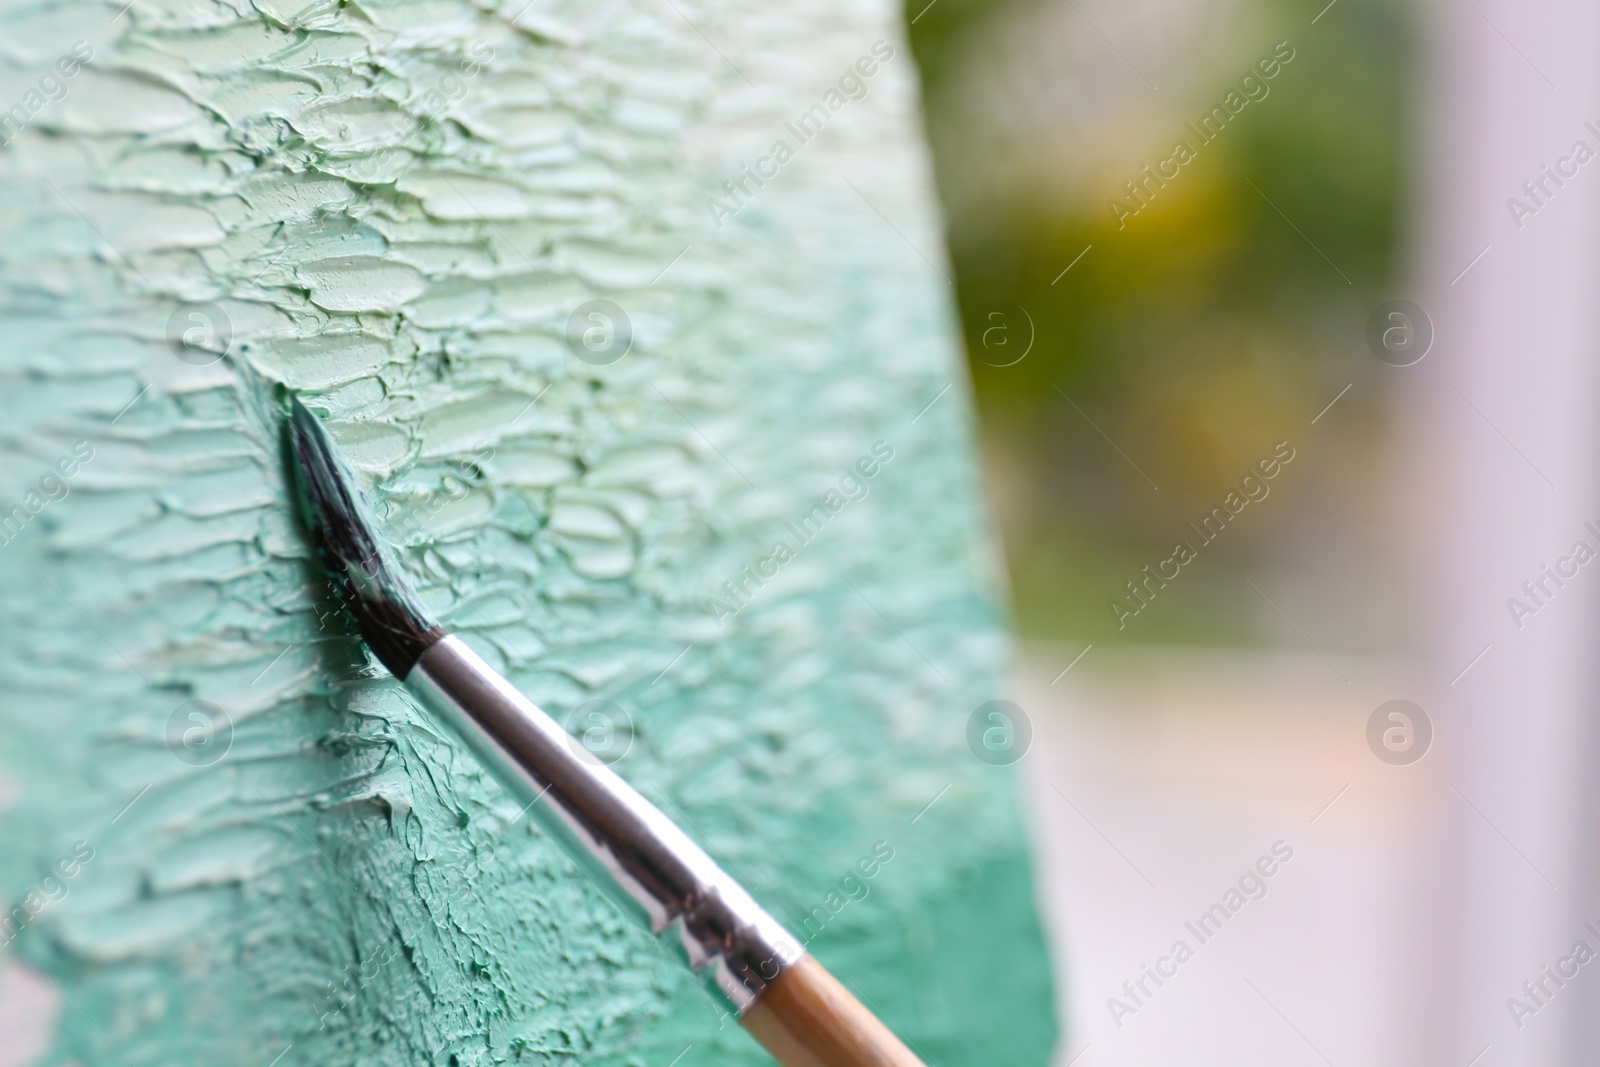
point(396, 205)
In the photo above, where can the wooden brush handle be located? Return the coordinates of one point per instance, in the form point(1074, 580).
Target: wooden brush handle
point(805, 1018)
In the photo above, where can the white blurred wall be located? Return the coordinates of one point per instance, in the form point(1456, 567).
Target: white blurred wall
point(1503, 439)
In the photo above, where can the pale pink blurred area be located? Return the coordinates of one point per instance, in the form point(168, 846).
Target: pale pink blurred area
point(1158, 780)
point(1501, 421)
point(28, 1011)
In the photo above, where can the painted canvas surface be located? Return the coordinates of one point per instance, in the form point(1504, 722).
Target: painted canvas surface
point(635, 321)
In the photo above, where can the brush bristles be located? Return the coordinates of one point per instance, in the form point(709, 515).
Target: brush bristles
point(363, 573)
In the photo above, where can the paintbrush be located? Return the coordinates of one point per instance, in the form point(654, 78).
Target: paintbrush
point(645, 864)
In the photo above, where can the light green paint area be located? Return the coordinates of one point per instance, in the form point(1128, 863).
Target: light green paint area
point(398, 206)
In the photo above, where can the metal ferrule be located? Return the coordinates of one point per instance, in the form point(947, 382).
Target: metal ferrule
point(634, 852)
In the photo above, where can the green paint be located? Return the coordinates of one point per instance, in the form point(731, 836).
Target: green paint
point(398, 205)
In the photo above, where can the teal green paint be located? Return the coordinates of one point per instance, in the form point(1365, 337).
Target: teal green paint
point(408, 261)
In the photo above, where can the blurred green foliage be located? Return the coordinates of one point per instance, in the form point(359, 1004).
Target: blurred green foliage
point(1205, 330)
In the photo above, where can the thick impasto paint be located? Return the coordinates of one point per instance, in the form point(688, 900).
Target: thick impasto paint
point(725, 524)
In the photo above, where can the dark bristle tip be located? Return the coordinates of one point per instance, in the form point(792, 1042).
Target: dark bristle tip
point(352, 552)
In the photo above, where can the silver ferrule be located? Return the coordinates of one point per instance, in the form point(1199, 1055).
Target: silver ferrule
point(634, 852)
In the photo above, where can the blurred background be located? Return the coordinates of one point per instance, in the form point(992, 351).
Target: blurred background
point(1147, 324)
point(1195, 334)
